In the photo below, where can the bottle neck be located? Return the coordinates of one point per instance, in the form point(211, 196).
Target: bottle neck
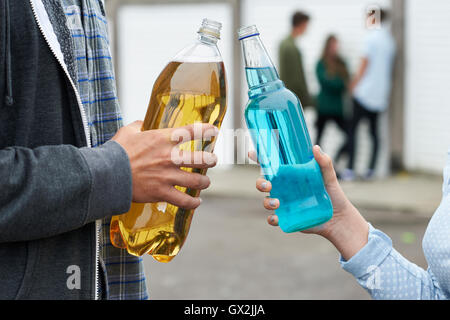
point(207, 38)
point(259, 68)
point(209, 31)
point(203, 50)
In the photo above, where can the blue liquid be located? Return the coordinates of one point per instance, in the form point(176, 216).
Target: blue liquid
point(275, 119)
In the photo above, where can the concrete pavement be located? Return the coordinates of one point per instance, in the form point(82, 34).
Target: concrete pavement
point(232, 253)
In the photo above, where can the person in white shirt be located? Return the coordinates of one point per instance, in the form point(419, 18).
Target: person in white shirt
point(371, 87)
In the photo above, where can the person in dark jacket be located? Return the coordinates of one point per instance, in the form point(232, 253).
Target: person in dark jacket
point(66, 163)
point(333, 78)
point(291, 68)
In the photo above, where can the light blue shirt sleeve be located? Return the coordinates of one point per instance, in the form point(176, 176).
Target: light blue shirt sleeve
point(386, 274)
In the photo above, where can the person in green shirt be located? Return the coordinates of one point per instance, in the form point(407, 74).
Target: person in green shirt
point(333, 78)
point(290, 64)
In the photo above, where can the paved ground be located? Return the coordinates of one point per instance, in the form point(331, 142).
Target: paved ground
point(231, 252)
point(417, 194)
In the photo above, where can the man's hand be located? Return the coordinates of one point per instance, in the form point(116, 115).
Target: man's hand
point(155, 172)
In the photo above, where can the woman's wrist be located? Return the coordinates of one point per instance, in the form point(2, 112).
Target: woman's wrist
point(348, 233)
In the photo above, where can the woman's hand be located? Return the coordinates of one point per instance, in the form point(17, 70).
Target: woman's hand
point(347, 230)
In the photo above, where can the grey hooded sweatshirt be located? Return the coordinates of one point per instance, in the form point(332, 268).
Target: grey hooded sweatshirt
point(52, 186)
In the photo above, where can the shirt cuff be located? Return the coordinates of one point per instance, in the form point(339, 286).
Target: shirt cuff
point(376, 250)
point(111, 180)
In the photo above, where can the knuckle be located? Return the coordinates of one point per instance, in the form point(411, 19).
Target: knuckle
point(165, 194)
point(160, 138)
point(123, 131)
point(328, 160)
point(207, 181)
point(157, 136)
point(186, 202)
point(202, 182)
point(211, 158)
point(169, 160)
point(162, 179)
point(170, 154)
point(195, 203)
point(197, 181)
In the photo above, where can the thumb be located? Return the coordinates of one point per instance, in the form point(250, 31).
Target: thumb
point(252, 156)
point(136, 125)
point(326, 166)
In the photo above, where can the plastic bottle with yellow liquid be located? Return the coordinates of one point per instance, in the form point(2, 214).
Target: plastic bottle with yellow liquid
point(191, 88)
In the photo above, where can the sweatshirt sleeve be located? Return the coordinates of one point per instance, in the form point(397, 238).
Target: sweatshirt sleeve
point(387, 275)
point(55, 189)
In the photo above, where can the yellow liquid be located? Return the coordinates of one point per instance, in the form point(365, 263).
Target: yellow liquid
point(184, 93)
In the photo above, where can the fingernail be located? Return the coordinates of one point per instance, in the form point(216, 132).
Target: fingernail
point(272, 203)
point(209, 134)
point(216, 129)
point(272, 219)
point(321, 151)
point(200, 199)
point(210, 158)
point(205, 180)
point(264, 185)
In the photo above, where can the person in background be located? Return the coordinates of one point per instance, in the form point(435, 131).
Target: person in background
point(291, 65)
point(371, 86)
point(333, 78)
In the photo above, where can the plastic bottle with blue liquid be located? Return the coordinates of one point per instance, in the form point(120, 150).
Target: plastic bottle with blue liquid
point(275, 120)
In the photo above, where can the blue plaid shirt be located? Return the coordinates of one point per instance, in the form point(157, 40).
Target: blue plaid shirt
point(124, 276)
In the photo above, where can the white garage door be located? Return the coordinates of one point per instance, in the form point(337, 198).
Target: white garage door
point(427, 118)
